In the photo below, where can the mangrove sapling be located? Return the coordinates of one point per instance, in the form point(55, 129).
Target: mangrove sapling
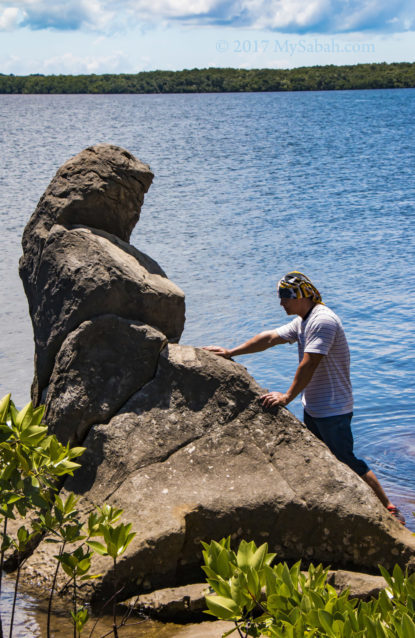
point(279, 601)
point(62, 526)
point(77, 565)
point(31, 462)
point(116, 540)
point(24, 537)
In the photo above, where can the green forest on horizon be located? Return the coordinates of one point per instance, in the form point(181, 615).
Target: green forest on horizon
point(220, 80)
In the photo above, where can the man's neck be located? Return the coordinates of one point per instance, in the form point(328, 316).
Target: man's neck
point(306, 311)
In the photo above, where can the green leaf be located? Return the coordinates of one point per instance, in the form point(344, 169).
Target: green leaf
point(109, 514)
point(254, 585)
point(286, 577)
point(61, 468)
point(4, 408)
point(14, 498)
point(408, 626)
point(21, 508)
point(238, 589)
point(370, 626)
point(398, 580)
point(277, 604)
point(127, 541)
point(91, 576)
point(24, 417)
point(385, 603)
point(84, 565)
point(258, 558)
point(6, 543)
point(98, 547)
point(220, 586)
point(295, 573)
point(270, 580)
point(326, 621)
point(69, 505)
point(80, 618)
point(37, 415)
point(222, 565)
point(13, 412)
point(222, 608)
point(245, 554)
point(33, 435)
point(72, 533)
point(22, 534)
point(76, 451)
point(5, 432)
point(23, 461)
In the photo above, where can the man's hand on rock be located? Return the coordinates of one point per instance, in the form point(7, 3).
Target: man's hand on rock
point(221, 352)
point(272, 399)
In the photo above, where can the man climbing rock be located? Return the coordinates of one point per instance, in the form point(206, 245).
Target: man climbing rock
point(323, 374)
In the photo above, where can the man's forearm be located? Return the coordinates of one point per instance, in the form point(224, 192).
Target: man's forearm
point(260, 342)
point(303, 375)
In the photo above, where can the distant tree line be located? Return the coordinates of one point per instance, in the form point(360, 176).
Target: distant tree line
point(221, 80)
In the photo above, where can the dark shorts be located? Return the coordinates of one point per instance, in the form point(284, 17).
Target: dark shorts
point(336, 433)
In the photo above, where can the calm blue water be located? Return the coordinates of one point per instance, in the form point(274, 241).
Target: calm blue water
point(247, 187)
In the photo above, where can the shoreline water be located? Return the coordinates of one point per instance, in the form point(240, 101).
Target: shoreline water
point(31, 619)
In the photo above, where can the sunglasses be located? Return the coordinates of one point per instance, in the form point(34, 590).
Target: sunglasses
point(285, 293)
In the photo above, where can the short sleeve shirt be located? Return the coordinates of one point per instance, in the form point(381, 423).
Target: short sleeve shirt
point(329, 392)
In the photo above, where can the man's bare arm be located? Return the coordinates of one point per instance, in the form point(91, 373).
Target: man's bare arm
point(260, 342)
point(302, 378)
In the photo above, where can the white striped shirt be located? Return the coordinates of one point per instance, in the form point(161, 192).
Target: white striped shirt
point(329, 392)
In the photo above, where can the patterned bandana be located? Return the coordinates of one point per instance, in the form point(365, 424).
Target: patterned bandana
point(295, 285)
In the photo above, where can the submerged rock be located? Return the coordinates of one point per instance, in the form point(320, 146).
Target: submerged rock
point(175, 435)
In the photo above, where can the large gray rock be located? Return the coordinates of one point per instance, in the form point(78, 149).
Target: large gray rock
point(94, 375)
point(85, 273)
point(77, 262)
point(363, 586)
point(205, 460)
point(101, 187)
point(193, 456)
point(175, 436)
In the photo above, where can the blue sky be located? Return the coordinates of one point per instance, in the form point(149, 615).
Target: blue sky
point(127, 36)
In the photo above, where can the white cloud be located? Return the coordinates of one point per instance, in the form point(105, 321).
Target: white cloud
point(172, 8)
point(290, 16)
point(68, 63)
point(10, 17)
point(64, 14)
point(73, 64)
